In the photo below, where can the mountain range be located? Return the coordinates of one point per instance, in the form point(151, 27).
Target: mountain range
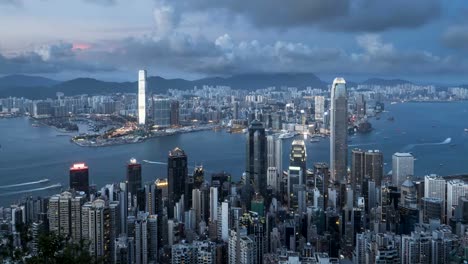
point(34, 87)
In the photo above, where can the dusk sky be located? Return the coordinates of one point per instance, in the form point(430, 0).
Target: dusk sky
point(420, 40)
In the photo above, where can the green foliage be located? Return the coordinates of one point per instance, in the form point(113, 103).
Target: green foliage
point(53, 249)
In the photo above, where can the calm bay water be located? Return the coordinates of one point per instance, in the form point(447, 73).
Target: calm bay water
point(29, 154)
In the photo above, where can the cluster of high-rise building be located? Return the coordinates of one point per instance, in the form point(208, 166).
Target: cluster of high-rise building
point(340, 211)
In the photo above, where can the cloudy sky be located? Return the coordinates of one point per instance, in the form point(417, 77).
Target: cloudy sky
point(420, 40)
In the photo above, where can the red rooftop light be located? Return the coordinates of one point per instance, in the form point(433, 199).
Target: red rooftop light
point(79, 166)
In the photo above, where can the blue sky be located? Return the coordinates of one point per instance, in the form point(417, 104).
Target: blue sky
point(420, 40)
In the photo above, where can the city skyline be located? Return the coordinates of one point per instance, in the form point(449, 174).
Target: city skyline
point(245, 156)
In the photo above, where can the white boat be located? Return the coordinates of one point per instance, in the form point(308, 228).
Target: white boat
point(466, 129)
point(314, 140)
point(286, 135)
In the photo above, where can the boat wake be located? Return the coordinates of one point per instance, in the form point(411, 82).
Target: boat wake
point(24, 184)
point(53, 186)
point(363, 144)
point(154, 162)
point(411, 146)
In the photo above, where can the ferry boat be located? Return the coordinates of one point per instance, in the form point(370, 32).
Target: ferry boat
point(314, 140)
point(286, 135)
point(466, 129)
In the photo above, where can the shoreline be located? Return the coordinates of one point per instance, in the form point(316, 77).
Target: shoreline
point(110, 143)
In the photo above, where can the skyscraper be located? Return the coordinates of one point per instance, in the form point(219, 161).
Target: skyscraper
point(133, 176)
point(373, 160)
point(455, 190)
point(431, 209)
point(142, 97)
point(402, 167)
point(79, 177)
point(366, 164)
point(198, 177)
point(64, 215)
point(141, 238)
point(435, 187)
point(177, 174)
point(338, 131)
point(298, 158)
point(174, 113)
point(319, 107)
point(96, 218)
point(271, 154)
point(257, 157)
point(162, 112)
point(213, 204)
point(357, 168)
point(273, 179)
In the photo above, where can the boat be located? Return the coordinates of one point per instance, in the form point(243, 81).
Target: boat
point(466, 129)
point(314, 140)
point(286, 135)
point(35, 125)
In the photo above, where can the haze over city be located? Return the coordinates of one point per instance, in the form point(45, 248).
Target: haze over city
point(240, 132)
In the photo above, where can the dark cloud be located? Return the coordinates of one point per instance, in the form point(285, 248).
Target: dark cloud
point(225, 56)
point(49, 59)
point(335, 15)
point(456, 37)
point(380, 15)
point(177, 52)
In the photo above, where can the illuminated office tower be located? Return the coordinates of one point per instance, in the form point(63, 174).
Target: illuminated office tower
point(338, 131)
point(298, 158)
point(133, 176)
point(142, 97)
point(79, 177)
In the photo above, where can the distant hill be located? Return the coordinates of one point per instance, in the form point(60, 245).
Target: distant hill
point(38, 87)
point(385, 82)
point(19, 80)
point(156, 84)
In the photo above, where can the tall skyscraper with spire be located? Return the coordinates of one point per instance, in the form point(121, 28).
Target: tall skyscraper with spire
point(338, 131)
point(142, 97)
